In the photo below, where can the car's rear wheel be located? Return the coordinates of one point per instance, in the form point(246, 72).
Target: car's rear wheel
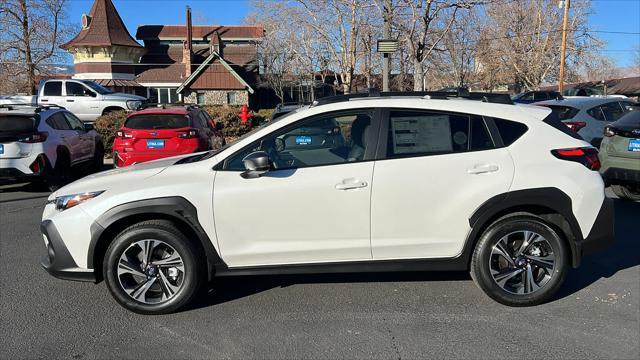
point(519, 261)
point(626, 192)
point(152, 268)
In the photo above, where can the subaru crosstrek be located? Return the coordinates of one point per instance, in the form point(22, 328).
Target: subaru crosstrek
point(415, 183)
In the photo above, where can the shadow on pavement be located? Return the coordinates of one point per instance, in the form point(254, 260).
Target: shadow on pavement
point(623, 254)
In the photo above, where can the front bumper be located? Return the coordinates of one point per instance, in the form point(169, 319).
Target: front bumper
point(602, 232)
point(58, 261)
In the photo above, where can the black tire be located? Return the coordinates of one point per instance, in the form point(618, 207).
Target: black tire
point(98, 158)
point(60, 175)
point(190, 281)
point(625, 192)
point(483, 261)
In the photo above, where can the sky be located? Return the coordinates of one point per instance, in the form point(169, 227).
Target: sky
point(607, 15)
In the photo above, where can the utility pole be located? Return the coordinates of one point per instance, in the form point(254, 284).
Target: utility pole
point(563, 51)
point(386, 34)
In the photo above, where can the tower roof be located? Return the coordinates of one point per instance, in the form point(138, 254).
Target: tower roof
point(102, 27)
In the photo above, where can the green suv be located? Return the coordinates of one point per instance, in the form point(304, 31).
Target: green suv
point(620, 156)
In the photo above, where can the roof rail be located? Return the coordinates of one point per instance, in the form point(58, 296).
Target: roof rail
point(37, 107)
point(443, 95)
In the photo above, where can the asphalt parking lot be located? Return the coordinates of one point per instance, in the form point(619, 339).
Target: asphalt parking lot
point(413, 315)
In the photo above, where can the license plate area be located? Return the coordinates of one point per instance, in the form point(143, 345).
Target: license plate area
point(155, 144)
point(634, 145)
point(303, 140)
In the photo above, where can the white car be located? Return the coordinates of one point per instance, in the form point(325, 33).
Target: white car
point(416, 184)
point(588, 116)
point(42, 143)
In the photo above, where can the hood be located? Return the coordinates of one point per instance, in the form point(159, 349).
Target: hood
point(129, 176)
point(123, 96)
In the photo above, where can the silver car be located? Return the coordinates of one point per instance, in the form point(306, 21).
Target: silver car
point(589, 115)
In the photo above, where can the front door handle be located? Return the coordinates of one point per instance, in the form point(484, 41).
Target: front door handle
point(348, 184)
point(70, 100)
point(483, 169)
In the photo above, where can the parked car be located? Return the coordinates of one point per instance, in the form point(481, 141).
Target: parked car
point(507, 192)
point(284, 109)
point(589, 115)
point(41, 144)
point(86, 99)
point(620, 156)
point(159, 132)
point(534, 96)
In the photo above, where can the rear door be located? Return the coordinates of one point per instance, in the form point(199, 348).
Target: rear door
point(86, 141)
point(68, 135)
point(153, 133)
point(12, 129)
point(52, 93)
point(434, 171)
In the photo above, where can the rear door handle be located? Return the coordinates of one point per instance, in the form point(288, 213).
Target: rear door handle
point(483, 169)
point(351, 183)
point(70, 100)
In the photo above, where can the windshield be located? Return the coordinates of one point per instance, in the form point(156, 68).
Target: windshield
point(156, 121)
point(97, 87)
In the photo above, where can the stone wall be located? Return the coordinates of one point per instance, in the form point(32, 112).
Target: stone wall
point(217, 97)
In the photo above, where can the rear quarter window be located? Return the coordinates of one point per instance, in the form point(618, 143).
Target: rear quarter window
point(510, 131)
point(156, 121)
point(563, 112)
point(554, 121)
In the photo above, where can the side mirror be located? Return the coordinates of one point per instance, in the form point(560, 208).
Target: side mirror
point(257, 164)
point(88, 92)
point(89, 127)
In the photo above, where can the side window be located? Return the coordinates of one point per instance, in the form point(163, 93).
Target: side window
point(612, 111)
point(53, 88)
point(596, 113)
point(74, 122)
point(74, 89)
point(539, 96)
point(58, 122)
point(204, 123)
point(328, 139)
point(510, 131)
point(418, 133)
point(527, 96)
point(629, 106)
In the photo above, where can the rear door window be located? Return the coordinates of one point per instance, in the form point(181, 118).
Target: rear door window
point(53, 88)
point(612, 111)
point(156, 121)
point(420, 133)
point(58, 122)
point(539, 96)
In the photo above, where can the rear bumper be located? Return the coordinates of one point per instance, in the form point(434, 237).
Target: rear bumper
point(16, 168)
point(602, 232)
point(616, 176)
point(58, 261)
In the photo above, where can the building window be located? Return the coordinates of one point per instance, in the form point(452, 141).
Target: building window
point(232, 98)
point(200, 98)
point(163, 95)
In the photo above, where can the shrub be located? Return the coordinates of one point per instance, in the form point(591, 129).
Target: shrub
point(107, 125)
point(229, 116)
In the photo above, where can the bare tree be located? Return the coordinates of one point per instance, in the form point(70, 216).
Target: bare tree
point(30, 33)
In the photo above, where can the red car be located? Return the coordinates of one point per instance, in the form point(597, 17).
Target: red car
point(155, 133)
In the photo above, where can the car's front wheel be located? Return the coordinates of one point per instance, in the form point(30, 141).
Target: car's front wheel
point(519, 261)
point(152, 268)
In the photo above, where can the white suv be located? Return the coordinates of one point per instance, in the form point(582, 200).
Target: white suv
point(42, 143)
point(432, 183)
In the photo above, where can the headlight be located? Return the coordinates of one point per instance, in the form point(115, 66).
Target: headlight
point(134, 104)
point(68, 201)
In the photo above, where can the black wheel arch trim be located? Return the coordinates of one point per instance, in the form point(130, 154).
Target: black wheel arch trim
point(546, 197)
point(175, 208)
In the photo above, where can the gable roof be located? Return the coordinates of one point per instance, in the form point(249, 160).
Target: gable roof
point(205, 63)
point(156, 32)
point(105, 28)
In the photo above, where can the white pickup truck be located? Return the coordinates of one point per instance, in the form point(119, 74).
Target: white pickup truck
point(84, 98)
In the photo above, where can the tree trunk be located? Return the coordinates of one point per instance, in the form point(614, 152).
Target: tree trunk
point(31, 75)
point(418, 76)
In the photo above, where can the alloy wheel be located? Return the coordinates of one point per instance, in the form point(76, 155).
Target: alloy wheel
point(522, 262)
point(151, 271)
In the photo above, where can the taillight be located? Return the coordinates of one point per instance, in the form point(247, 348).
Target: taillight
point(609, 131)
point(123, 134)
point(587, 156)
point(36, 137)
point(575, 125)
point(189, 134)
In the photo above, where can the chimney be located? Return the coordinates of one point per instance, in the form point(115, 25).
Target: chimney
point(187, 48)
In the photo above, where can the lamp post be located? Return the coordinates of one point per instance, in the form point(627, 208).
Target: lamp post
point(386, 47)
point(563, 50)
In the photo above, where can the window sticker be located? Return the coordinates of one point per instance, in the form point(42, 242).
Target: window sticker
point(421, 134)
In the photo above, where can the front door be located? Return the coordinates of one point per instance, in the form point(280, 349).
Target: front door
point(312, 207)
point(80, 100)
point(437, 170)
